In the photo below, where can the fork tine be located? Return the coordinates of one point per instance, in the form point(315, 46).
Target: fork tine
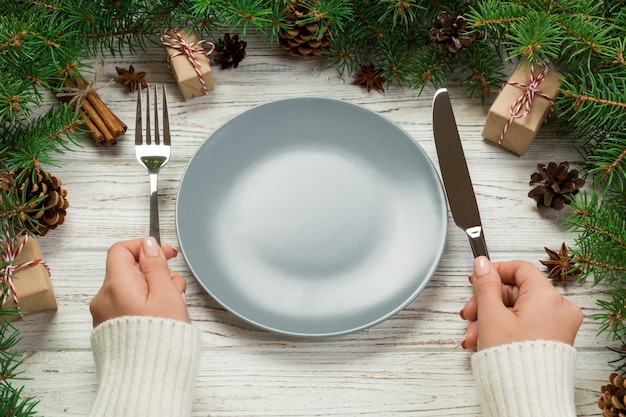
point(153, 155)
point(166, 120)
point(138, 126)
point(148, 129)
point(157, 139)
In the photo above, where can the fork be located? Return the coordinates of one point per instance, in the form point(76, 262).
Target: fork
point(153, 154)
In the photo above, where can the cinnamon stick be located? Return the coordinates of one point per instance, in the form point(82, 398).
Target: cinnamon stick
point(96, 135)
point(93, 115)
point(112, 122)
point(103, 124)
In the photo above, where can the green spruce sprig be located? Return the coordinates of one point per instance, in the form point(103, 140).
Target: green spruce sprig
point(583, 40)
point(13, 402)
point(601, 244)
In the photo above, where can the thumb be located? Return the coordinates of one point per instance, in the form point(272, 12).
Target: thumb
point(153, 265)
point(487, 290)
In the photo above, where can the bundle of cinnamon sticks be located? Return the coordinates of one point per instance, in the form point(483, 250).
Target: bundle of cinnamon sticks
point(103, 125)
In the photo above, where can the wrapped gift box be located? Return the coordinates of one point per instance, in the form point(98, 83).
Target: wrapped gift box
point(188, 61)
point(32, 285)
point(522, 130)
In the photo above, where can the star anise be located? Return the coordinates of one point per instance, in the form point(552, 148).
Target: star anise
point(560, 264)
point(132, 79)
point(370, 77)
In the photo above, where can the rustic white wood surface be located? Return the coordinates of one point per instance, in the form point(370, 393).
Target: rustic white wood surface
point(409, 365)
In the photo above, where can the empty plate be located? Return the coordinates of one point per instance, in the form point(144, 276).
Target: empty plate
point(311, 217)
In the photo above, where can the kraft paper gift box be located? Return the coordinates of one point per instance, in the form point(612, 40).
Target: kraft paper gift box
point(522, 131)
point(190, 83)
point(33, 287)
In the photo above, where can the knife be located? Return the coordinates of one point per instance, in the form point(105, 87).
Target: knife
point(456, 177)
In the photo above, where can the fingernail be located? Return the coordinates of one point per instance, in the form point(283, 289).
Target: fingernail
point(184, 297)
point(175, 252)
point(462, 314)
point(481, 266)
point(463, 345)
point(150, 247)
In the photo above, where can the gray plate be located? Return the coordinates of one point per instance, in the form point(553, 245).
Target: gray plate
point(311, 217)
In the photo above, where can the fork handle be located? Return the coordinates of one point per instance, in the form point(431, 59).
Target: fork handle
point(154, 208)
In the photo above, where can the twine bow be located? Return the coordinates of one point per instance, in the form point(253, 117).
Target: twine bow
point(77, 94)
point(9, 255)
point(188, 49)
point(521, 107)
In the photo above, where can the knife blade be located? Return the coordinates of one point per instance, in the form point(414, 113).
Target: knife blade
point(456, 177)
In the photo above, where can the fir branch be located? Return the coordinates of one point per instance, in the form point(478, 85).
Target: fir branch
point(40, 140)
point(485, 70)
point(432, 69)
point(535, 38)
point(585, 39)
point(400, 12)
point(601, 241)
point(338, 11)
point(357, 43)
point(242, 13)
point(496, 17)
point(618, 54)
point(607, 161)
point(579, 99)
point(371, 22)
point(345, 55)
point(16, 99)
point(592, 101)
point(18, 211)
point(586, 263)
point(13, 402)
point(612, 320)
point(568, 30)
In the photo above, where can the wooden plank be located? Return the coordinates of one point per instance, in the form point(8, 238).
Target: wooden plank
point(393, 381)
point(411, 364)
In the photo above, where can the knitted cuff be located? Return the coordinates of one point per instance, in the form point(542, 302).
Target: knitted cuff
point(526, 379)
point(146, 366)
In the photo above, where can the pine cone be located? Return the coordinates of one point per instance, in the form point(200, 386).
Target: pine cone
point(49, 198)
point(613, 397)
point(449, 33)
point(554, 185)
point(299, 40)
point(229, 51)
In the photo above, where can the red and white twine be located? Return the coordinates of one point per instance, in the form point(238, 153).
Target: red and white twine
point(188, 49)
point(525, 101)
point(9, 255)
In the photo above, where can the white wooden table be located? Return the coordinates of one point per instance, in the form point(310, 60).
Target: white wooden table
point(409, 365)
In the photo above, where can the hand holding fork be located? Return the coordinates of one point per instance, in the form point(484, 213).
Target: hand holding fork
point(154, 153)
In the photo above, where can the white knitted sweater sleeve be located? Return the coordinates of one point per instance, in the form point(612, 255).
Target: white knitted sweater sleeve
point(146, 367)
point(526, 379)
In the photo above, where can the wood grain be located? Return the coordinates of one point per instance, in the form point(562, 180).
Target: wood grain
point(409, 365)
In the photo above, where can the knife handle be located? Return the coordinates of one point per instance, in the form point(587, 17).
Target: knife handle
point(477, 241)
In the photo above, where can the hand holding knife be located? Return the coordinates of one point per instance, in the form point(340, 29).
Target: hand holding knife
point(456, 178)
point(498, 316)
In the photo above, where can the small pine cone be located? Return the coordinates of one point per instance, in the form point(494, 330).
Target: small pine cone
point(612, 402)
point(449, 33)
point(554, 184)
point(300, 40)
point(50, 205)
point(229, 52)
